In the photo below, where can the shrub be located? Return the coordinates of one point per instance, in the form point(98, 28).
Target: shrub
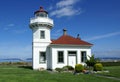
point(58, 69)
point(66, 68)
point(91, 62)
point(79, 68)
point(98, 67)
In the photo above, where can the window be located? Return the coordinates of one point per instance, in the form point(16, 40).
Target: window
point(60, 57)
point(45, 15)
point(83, 56)
point(42, 34)
point(72, 52)
point(41, 14)
point(42, 57)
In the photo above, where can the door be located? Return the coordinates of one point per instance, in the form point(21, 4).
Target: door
point(72, 60)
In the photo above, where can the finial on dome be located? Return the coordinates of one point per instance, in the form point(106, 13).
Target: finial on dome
point(41, 8)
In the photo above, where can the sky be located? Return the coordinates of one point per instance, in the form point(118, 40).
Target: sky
point(97, 22)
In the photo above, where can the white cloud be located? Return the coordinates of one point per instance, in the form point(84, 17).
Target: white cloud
point(15, 51)
point(50, 8)
point(10, 25)
point(57, 33)
point(19, 31)
point(6, 28)
point(64, 3)
point(107, 53)
point(103, 36)
point(66, 11)
point(66, 8)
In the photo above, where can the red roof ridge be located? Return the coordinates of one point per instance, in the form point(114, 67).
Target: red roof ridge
point(70, 40)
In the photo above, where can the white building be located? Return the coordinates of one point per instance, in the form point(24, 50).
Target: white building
point(50, 54)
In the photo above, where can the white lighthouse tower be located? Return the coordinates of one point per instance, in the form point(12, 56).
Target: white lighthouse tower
point(41, 25)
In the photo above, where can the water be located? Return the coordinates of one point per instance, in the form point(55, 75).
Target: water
point(15, 60)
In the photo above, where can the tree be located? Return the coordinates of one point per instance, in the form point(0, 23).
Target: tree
point(91, 62)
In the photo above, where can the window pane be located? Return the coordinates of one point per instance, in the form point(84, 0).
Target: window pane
point(72, 52)
point(42, 57)
point(41, 15)
point(45, 14)
point(60, 57)
point(42, 34)
point(83, 56)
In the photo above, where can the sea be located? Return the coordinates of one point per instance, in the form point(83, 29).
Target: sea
point(16, 60)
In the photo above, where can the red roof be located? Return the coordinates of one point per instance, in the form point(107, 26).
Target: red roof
point(69, 40)
point(41, 10)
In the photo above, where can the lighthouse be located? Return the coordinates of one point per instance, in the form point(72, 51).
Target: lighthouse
point(41, 26)
point(66, 50)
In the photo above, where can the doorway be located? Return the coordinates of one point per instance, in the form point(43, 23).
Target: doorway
point(72, 58)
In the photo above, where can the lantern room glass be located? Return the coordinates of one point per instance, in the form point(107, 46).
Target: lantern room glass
point(41, 14)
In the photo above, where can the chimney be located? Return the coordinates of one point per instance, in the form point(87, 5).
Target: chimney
point(78, 36)
point(64, 32)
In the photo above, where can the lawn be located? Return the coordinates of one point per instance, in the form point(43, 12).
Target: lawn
point(21, 74)
point(114, 71)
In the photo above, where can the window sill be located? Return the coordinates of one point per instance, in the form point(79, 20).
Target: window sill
point(42, 63)
point(61, 63)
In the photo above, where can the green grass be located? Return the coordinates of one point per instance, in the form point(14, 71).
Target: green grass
point(21, 74)
point(111, 63)
point(114, 71)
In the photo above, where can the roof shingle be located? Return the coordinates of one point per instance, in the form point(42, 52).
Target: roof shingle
point(69, 40)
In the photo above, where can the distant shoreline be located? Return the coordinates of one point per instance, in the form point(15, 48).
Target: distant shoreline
point(30, 59)
point(15, 60)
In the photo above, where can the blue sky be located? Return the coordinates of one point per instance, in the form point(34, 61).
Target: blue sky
point(97, 21)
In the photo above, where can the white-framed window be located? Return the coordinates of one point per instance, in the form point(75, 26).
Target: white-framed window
point(83, 56)
point(60, 57)
point(42, 34)
point(42, 57)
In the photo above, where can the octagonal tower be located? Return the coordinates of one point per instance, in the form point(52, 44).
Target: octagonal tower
point(41, 26)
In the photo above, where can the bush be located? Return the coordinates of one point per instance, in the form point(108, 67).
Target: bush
point(58, 69)
point(91, 62)
point(66, 68)
point(79, 68)
point(98, 67)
